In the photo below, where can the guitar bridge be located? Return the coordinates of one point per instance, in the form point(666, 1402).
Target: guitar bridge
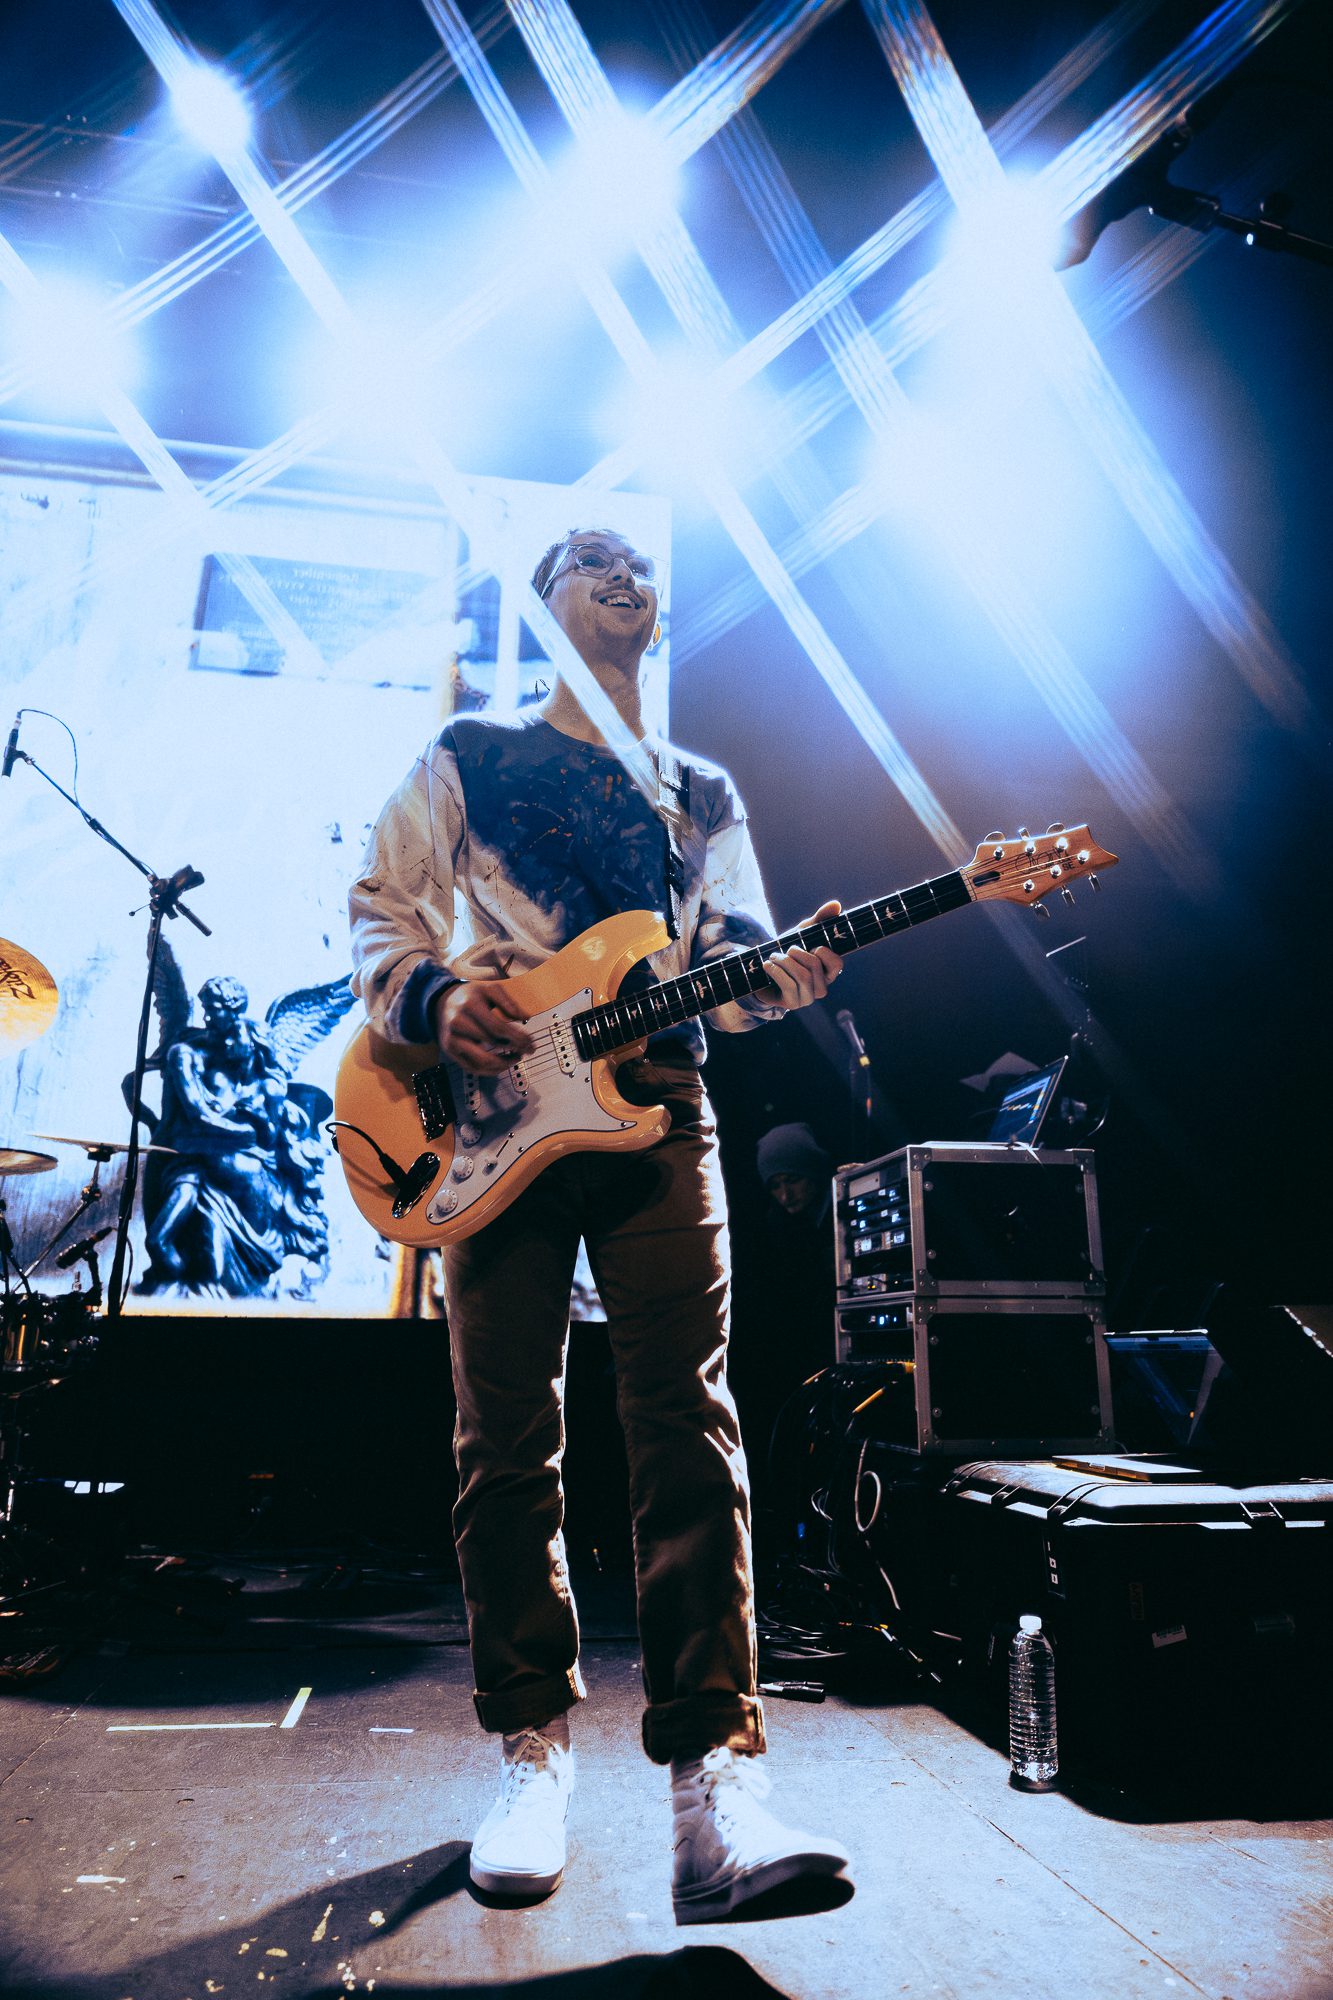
point(435, 1101)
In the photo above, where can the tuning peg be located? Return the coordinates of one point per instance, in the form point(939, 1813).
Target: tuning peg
point(1056, 826)
point(1023, 833)
point(992, 836)
point(1095, 883)
point(1041, 910)
point(1067, 895)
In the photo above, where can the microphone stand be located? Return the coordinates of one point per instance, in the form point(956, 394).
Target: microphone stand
point(1146, 184)
point(861, 1088)
point(861, 1085)
point(164, 900)
point(1265, 231)
point(89, 1195)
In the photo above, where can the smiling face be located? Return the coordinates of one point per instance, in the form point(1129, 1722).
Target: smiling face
point(609, 611)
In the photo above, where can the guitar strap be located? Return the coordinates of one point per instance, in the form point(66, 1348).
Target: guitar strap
point(673, 805)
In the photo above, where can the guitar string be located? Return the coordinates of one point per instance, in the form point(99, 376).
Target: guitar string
point(543, 1059)
point(849, 925)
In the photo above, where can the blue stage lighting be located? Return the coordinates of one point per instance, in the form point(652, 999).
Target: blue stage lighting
point(61, 337)
point(617, 184)
point(1001, 245)
point(210, 109)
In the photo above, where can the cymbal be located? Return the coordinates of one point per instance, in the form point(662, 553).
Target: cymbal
point(103, 1146)
point(27, 996)
point(13, 1161)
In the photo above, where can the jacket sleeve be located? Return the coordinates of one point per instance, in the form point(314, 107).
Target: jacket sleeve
point(733, 912)
point(402, 903)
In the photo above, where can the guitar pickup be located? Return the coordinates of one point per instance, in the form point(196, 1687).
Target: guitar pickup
point(563, 1042)
point(435, 1101)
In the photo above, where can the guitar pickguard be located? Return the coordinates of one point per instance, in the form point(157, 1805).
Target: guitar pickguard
point(548, 1093)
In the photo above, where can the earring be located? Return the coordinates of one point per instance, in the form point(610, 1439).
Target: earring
point(657, 634)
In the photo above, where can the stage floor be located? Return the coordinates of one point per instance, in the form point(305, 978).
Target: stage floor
point(179, 1818)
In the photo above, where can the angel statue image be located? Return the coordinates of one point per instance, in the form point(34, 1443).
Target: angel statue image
point(239, 1191)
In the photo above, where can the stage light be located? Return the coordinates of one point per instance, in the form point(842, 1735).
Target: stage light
point(61, 337)
point(666, 418)
point(369, 379)
point(1001, 245)
point(210, 109)
point(617, 185)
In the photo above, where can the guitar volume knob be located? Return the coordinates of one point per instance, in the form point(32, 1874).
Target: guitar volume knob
point(468, 1134)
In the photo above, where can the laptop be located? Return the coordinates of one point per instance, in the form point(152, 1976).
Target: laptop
point(1023, 1109)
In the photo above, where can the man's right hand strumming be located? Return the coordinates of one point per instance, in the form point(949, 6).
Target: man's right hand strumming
point(479, 1025)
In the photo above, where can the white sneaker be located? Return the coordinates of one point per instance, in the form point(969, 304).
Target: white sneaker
point(728, 1848)
point(519, 1848)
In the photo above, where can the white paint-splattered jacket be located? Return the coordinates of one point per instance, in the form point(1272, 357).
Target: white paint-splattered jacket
point(507, 839)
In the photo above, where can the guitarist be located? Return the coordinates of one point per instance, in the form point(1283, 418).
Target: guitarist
point(509, 837)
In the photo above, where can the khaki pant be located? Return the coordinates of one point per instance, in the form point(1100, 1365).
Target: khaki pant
point(655, 1226)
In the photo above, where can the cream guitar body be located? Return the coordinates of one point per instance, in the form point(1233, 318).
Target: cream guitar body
point(493, 1134)
point(432, 1152)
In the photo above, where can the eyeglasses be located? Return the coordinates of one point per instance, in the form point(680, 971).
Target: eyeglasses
point(599, 562)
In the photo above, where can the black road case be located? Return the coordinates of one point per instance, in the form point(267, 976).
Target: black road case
point(955, 1220)
point(1192, 1618)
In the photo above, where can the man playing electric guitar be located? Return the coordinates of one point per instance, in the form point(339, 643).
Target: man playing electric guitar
point(510, 837)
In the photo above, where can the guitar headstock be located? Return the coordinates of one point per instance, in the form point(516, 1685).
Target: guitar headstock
point(1027, 868)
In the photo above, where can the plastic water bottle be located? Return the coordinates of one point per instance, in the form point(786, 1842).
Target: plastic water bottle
point(1033, 1756)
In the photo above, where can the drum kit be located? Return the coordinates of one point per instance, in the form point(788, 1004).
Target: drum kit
point(42, 1335)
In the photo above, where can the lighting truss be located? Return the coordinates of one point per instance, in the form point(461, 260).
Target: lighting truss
point(711, 100)
point(971, 170)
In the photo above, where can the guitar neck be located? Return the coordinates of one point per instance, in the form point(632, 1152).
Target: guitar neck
point(617, 1023)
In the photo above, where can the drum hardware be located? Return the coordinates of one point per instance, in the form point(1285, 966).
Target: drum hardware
point(100, 1152)
point(15, 1160)
point(165, 895)
point(43, 1338)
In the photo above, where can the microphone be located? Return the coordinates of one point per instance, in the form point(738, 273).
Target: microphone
point(843, 1017)
point(1144, 183)
point(12, 747)
point(82, 1248)
point(1139, 186)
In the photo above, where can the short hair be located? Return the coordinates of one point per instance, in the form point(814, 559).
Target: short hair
point(544, 573)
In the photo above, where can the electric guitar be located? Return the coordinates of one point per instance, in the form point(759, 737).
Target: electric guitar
point(433, 1152)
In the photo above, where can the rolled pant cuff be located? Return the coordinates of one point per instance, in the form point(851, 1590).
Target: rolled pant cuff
point(527, 1706)
point(701, 1722)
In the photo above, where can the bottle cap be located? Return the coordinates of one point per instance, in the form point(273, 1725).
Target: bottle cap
point(1027, 1623)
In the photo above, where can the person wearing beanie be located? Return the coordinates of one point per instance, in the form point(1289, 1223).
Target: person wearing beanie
point(784, 1307)
point(796, 1171)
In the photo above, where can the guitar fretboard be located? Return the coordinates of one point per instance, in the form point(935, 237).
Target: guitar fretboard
point(631, 1018)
